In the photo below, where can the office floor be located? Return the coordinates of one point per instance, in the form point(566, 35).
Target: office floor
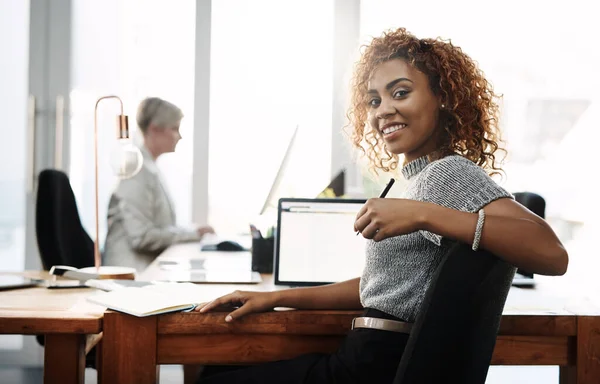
point(8, 375)
point(173, 374)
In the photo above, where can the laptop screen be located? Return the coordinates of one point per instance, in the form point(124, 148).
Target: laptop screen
point(316, 243)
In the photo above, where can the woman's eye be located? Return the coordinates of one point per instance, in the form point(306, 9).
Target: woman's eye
point(400, 93)
point(373, 102)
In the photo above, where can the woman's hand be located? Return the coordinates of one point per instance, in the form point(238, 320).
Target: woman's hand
point(204, 230)
point(248, 302)
point(379, 219)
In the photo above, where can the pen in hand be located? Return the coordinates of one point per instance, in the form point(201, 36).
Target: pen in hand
point(384, 193)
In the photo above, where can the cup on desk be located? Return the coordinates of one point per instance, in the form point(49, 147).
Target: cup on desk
point(262, 254)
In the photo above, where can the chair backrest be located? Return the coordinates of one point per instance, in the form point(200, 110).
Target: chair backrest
point(61, 238)
point(454, 335)
point(536, 204)
point(532, 201)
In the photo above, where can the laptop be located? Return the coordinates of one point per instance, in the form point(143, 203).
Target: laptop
point(316, 243)
point(523, 279)
point(16, 282)
point(216, 267)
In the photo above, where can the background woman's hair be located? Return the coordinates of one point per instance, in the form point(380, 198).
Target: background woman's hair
point(159, 112)
point(470, 116)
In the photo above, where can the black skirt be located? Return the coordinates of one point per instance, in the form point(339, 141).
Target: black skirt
point(366, 356)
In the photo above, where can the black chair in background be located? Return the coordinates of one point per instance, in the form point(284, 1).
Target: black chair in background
point(454, 335)
point(61, 238)
point(536, 204)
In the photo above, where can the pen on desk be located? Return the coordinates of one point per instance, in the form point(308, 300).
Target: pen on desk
point(384, 193)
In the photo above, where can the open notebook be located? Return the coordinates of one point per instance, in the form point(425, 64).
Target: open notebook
point(152, 299)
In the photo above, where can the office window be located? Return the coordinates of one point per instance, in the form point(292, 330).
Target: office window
point(14, 174)
point(14, 43)
point(134, 49)
point(271, 70)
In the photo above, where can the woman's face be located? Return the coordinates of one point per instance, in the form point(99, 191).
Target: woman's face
point(403, 109)
point(166, 137)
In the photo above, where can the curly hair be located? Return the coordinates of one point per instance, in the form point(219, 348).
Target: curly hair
point(470, 115)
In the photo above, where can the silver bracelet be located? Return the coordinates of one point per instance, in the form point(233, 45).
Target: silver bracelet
point(478, 229)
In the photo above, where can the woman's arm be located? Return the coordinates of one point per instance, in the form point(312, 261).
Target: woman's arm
point(447, 191)
point(344, 295)
point(510, 231)
point(135, 199)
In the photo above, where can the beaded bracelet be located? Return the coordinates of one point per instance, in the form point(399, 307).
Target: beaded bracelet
point(478, 229)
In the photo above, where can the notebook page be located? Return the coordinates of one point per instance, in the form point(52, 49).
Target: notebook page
point(143, 301)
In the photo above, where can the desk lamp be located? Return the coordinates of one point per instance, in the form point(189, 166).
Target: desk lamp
point(126, 161)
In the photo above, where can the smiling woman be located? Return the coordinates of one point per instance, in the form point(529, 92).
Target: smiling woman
point(427, 100)
point(413, 131)
point(417, 82)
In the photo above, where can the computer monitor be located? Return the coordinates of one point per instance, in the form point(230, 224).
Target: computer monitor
point(316, 243)
point(337, 185)
point(272, 196)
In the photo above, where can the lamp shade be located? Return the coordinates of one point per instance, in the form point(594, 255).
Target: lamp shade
point(125, 159)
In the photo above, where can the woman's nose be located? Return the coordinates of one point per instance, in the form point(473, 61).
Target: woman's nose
point(385, 110)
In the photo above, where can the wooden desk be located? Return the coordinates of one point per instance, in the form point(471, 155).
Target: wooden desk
point(71, 328)
point(567, 336)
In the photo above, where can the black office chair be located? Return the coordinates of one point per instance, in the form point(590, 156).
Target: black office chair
point(536, 204)
point(61, 238)
point(454, 335)
point(532, 201)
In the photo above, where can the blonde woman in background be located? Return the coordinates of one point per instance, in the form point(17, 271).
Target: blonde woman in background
point(141, 214)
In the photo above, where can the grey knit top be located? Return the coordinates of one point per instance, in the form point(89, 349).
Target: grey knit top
point(398, 270)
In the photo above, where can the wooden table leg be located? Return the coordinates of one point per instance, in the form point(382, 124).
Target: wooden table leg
point(129, 349)
point(64, 358)
point(568, 375)
point(588, 349)
point(99, 362)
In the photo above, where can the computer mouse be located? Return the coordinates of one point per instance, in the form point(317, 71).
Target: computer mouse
point(229, 245)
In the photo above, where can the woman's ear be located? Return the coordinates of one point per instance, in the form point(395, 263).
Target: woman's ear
point(152, 129)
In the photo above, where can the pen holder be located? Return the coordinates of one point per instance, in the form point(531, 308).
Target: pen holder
point(262, 254)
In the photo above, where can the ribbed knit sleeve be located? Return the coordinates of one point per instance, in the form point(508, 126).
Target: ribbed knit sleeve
point(458, 183)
